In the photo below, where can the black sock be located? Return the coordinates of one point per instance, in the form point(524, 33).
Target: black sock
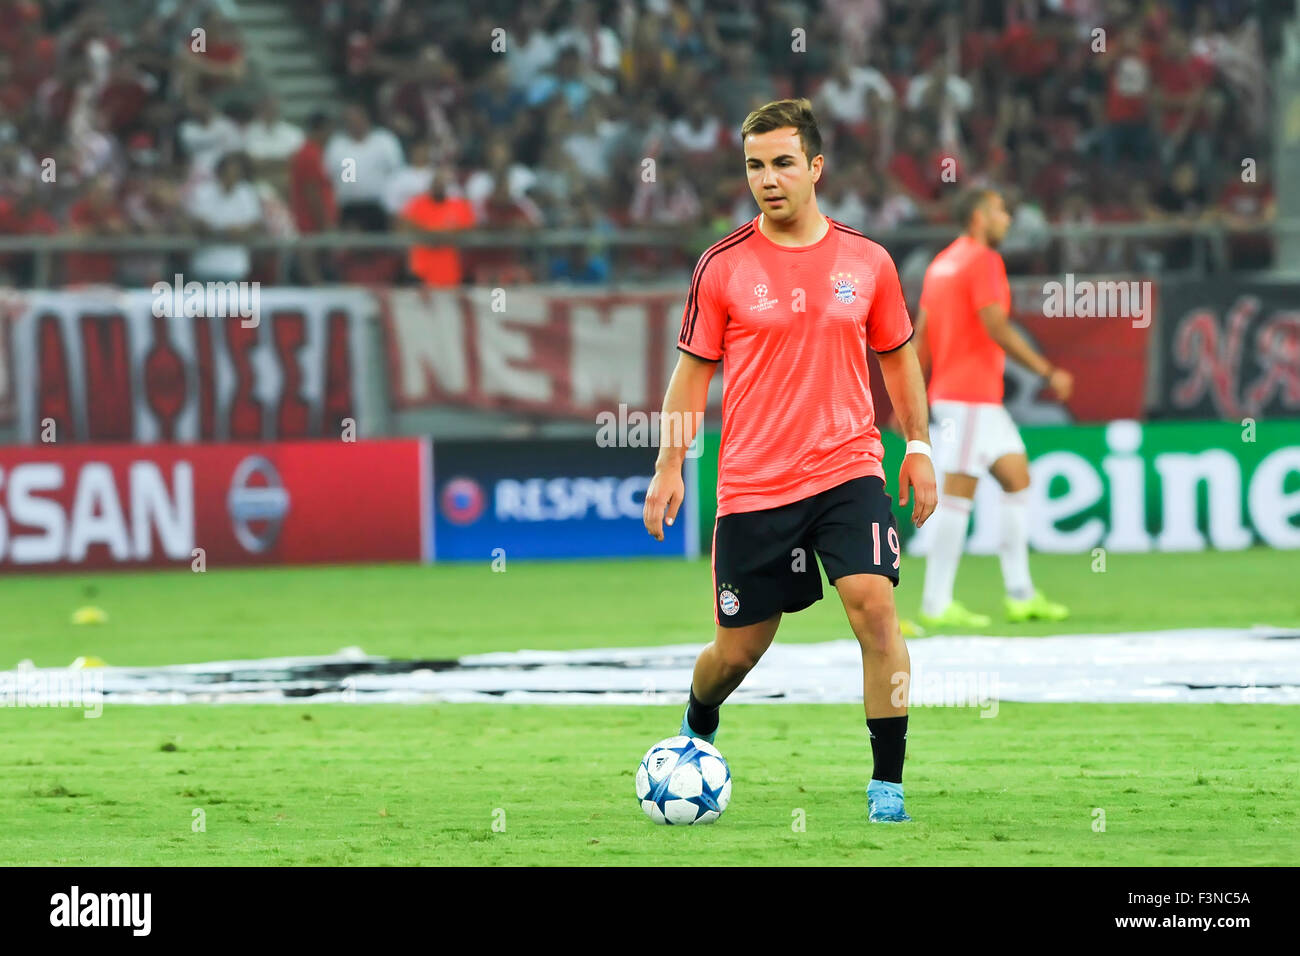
point(888, 745)
point(703, 718)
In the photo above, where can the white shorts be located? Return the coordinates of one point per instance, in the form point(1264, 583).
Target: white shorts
point(969, 437)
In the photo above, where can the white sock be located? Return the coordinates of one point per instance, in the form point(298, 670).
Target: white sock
point(1014, 549)
point(951, 518)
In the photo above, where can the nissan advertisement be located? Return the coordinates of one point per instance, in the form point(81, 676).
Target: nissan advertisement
point(217, 504)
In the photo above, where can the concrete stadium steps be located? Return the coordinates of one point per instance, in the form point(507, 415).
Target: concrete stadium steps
point(286, 58)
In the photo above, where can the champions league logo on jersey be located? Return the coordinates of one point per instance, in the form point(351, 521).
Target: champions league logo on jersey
point(844, 286)
point(764, 303)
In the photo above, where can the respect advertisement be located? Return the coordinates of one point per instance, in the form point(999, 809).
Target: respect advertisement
point(1125, 486)
point(214, 505)
point(499, 500)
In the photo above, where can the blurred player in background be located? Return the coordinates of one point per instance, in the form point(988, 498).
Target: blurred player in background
point(791, 301)
point(965, 334)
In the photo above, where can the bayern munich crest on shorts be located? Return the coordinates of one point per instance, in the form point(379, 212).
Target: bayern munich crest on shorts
point(844, 286)
point(729, 603)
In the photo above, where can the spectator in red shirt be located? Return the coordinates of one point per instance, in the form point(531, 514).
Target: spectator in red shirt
point(213, 61)
point(438, 267)
point(97, 213)
point(1128, 101)
point(916, 167)
point(125, 98)
point(1247, 208)
point(512, 215)
point(14, 97)
point(16, 18)
point(22, 214)
point(311, 194)
point(425, 99)
point(1181, 84)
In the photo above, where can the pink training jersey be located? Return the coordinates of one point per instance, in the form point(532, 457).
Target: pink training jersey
point(792, 325)
point(966, 365)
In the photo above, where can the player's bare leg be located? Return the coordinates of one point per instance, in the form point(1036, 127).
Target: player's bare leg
point(938, 609)
point(1011, 472)
point(869, 603)
point(1023, 602)
point(886, 676)
point(720, 669)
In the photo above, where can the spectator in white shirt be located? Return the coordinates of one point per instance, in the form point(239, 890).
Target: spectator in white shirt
point(226, 207)
point(672, 201)
point(270, 143)
point(598, 46)
point(206, 136)
point(268, 138)
point(412, 179)
point(698, 131)
point(843, 96)
point(482, 182)
point(532, 50)
point(361, 158)
point(929, 89)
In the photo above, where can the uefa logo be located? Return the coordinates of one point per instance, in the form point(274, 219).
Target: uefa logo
point(462, 501)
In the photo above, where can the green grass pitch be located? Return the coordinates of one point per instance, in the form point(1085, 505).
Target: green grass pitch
point(335, 784)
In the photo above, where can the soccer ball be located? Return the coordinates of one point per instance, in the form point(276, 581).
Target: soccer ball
point(683, 780)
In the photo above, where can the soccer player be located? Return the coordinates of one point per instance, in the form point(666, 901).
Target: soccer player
point(964, 336)
point(790, 302)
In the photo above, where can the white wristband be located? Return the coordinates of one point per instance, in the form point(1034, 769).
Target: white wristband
point(917, 447)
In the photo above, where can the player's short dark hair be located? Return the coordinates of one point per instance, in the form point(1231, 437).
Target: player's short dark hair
point(782, 113)
point(964, 206)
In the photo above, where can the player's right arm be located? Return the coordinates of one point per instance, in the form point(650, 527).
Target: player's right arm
point(700, 343)
point(1000, 329)
point(684, 403)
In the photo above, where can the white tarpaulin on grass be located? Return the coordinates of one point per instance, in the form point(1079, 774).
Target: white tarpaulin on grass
point(1259, 664)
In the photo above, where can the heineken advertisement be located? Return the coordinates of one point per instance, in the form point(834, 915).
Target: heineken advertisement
point(1123, 486)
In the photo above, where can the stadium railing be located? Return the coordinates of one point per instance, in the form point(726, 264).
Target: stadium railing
point(1210, 242)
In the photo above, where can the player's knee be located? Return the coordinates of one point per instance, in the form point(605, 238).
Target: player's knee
point(876, 625)
point(737, 659)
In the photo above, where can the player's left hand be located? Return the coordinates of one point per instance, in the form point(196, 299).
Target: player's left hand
point(917, 475)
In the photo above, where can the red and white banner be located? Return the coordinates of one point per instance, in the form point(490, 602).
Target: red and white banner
point(108, 365)
point(221, 504)
point(532, 350)
point(559, 353)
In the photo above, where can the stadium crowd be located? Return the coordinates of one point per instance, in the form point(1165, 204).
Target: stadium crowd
point(574, 113)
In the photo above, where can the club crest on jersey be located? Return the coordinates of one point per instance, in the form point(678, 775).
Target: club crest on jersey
point(844, 286)
point(729, 603)
point(764, 303)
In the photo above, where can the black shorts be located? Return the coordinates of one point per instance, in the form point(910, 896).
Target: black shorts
point(765, 562)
